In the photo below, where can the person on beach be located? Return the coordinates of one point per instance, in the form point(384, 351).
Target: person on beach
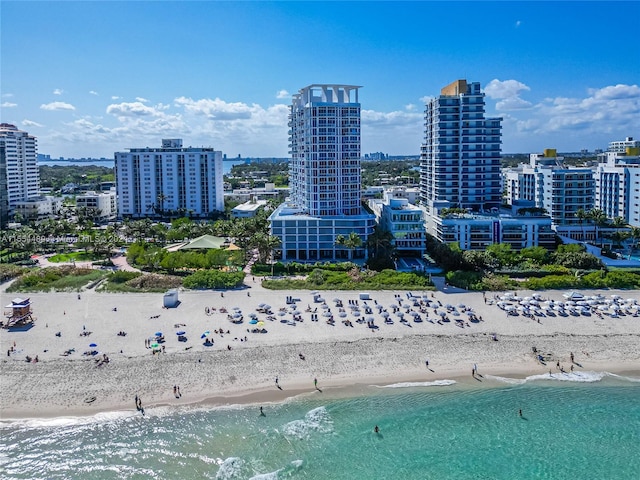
point(175, 391)
point(427, 363)
point(315, 382)
point(571, 355)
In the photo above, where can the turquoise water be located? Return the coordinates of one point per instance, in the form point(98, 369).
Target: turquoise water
point(575, 429)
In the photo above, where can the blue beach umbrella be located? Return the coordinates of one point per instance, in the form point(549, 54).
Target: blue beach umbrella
point(93, 345)
point(158, 334)
point(181, 332)
point(205, 334)
point(253, 322)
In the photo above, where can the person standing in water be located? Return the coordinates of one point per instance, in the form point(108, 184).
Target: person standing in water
point(376, 429)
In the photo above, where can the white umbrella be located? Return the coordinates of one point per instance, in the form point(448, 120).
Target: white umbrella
point(327, 314)
point(342, 314)
point(385, 314)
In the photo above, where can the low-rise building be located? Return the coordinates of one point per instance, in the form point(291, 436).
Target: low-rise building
point(103, 203)
point(38, 208)
point(248, 209)
point(404, 221)
point(478, 231)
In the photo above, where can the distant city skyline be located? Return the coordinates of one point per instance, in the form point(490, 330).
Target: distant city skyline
point(562, 75)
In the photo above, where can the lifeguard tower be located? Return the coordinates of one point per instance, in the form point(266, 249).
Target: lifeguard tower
point(18, 313)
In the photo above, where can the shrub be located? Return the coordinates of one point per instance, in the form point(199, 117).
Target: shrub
point(7, 272)
point(122, 276)
point(153, 282)
point(213, 279)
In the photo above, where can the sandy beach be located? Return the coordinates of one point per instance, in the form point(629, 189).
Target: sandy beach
point(232, 370)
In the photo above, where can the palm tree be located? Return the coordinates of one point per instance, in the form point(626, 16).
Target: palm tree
point(599, 218)
point(380, 242)
point(350, 242)
point(582, 215)
point(161, 198)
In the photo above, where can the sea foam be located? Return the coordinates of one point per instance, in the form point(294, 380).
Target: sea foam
point(316, 420)
point(435, 383)
point(581, 377)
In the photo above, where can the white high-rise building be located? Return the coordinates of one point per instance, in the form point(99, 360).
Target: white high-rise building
point(184, 181)
point(324, 177)
point(621, 146)
point(460, 179)
point(21, 156)
point(324, 172)
point(460, 156)
point(562, 191)
point(618, 185)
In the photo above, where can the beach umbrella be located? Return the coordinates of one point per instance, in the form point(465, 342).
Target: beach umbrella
point(181, 332)
point(385, 314)
point(260, 324)
point(261, 305)
point(325, 306)
point(93, 345)
point(327, 314)
point(267, 307)
point(337, 300)
point(342, 314)
point(296, 312)
point(155, 345)
point(282, 314)
point(253, 321)
point(253, 315)
point(236, 315)
point(356, 313)
point(369, 319)
point(236, 308)
point(205, 334)
point(462, 305)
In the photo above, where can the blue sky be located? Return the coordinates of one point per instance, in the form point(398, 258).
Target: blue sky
point(92, 78)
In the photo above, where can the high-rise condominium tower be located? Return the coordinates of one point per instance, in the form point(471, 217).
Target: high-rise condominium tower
point(324, 177)
point(460, 156)
point(325, 150)
point(154, 181)
point(21, 159)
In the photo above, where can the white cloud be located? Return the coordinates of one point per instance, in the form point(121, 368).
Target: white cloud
point(133, 109)
point(31, 123)
point(371, 118)
point(593, 120)
point(141, 99)
point(217, 109)
point(283, 94)
point(57, 106)
point(58, 91)
point(410, 107)
point(8, 105)
point(509, 88)
point(508, 92)
point(93, 92)
point(115, 97)
point(426, 99)
point(518, 23)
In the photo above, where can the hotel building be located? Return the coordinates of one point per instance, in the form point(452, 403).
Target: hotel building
point(170, 179)
point(324, 177)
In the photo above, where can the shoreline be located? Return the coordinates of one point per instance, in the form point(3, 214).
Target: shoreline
point(232, 371)
point(346, 385)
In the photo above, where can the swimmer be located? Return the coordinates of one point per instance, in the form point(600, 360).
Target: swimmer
point(376, 429)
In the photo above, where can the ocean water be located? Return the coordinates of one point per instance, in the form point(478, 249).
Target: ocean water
point(586, 427)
